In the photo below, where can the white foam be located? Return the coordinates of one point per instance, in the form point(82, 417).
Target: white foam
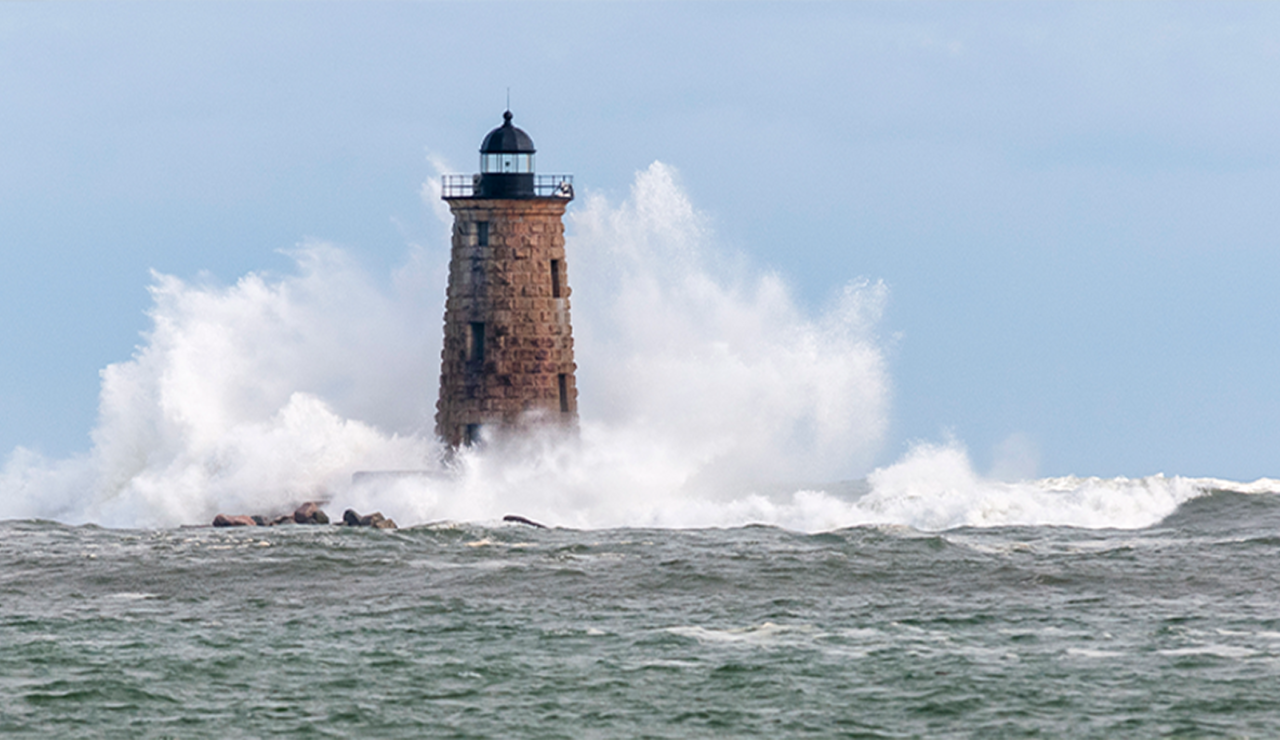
point(702, 383)
point(247, 397)
point(1217, 651)
point(1092, 653)
point(763, 635)
point(935, 487)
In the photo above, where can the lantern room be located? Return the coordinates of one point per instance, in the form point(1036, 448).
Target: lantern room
point(506, 163)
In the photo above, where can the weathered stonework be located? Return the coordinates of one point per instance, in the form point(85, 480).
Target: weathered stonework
point(507, 361)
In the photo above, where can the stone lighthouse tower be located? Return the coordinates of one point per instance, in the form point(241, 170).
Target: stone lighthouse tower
point(507, 362)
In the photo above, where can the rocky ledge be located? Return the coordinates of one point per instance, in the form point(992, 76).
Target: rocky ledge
point(308, 513)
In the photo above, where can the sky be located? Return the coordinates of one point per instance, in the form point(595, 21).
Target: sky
point(1072, 206)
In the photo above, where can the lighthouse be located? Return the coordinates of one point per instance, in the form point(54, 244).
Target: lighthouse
point(507, 363)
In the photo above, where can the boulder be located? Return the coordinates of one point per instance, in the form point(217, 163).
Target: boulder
point(237, 520)
point(522, 520)
point(375, 520)
point(310, 513)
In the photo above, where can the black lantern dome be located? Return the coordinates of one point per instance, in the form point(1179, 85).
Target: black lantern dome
point(506, 162)
point(507, 138)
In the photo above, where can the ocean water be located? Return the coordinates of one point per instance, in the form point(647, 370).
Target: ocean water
point(503, 630)
point(698, 578)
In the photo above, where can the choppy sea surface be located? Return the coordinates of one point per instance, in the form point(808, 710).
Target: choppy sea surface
point(460, 630)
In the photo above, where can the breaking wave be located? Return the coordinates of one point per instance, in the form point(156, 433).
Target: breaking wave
point(704, 387)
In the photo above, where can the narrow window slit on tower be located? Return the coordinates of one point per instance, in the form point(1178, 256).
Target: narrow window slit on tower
point(555, 279)
point(471, 434)
point(475, 348)
point(563, 381)
point(482, 233)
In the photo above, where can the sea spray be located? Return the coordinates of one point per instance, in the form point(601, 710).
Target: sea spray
point(602, 481)
point(251, 397)
point(702, 384)
point(934, 487)
point(704, 389)
point(714, 358)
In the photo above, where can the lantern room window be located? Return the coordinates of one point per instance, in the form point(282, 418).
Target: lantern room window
point(506, 163)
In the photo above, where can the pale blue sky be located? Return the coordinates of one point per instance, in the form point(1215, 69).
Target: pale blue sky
point(1073, 205)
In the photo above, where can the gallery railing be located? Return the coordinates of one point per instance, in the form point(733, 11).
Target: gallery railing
point(544, 186)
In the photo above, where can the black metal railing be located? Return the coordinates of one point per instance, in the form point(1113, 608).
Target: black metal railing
point(544, 186)
point(457, 186)
point(553, 186)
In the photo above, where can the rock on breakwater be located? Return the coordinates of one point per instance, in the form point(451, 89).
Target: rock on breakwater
point(308, 513)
